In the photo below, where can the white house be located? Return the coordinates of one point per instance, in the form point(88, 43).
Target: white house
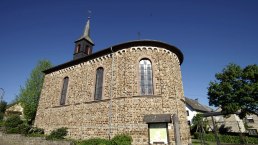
point(193, 107)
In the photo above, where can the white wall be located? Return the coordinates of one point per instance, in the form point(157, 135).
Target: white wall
point(192, 113)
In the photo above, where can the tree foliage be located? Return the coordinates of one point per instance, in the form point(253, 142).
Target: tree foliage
point(235, 89)
point(199, 124)
point(3, 106)
point(29, 95)
point(59, 133)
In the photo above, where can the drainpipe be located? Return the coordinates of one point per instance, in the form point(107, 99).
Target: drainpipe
point(111, 95)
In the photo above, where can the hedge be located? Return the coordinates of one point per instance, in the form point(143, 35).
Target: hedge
point(227, 138)
point(57, 134)
point(122, 139)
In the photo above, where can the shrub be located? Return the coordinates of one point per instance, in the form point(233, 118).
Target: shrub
point(196, 135)
point(122, 139)
point(252, 140)
point(1, 123)
point(12, 130)
point(13, 121)
point(35, 130)
point(24, 128)
point(1, 116)
point(3, 106)
point(228, 138)
point(95, 141)
point(59, 133)
point(11, 124)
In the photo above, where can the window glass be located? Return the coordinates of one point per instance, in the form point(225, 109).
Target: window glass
point(78, 48)
point(99, 84)
point(64, 91)
point(146, 84)
point(252, 131)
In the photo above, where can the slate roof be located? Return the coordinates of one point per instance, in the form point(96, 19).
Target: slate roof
point(86, 33)
point(109, 50)
point(195, 105)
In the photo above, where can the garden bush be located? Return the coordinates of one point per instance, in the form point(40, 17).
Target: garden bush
point(122, 139)
point(59, 133)
point(11, 124)
point(13, 121)
point(1, 123)
point(3, 106)
point(251, 140)
point(12, 130)
point(23, 128)
point(1, 116)
point(227, 138)
point(95, 141)
point(35, 130)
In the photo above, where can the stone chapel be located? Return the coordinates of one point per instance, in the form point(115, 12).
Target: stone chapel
point(133, 87)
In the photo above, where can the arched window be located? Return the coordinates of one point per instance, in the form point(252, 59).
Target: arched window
point(64, 91)
point(145, 70)
point(99, 84)
point(78, 48)
point(87, 51)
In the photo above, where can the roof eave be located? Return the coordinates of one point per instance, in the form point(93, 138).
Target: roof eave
point(119, 47)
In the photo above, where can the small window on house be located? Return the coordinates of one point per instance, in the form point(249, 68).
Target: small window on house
point(252, 132)
point(189, 122)
point(146, 84)
point(250, 120)
point(64, 91)
point(187, 112)
point(99, 84)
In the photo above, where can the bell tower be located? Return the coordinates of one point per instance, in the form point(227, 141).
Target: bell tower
point(84, 45)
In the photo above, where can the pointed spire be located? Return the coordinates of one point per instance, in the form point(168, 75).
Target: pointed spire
point(86, 33)
point(87, 28)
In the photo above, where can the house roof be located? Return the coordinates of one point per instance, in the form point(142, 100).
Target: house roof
point(195, 105)
point(118, 47)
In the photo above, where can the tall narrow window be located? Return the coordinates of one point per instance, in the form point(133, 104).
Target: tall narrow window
point(78, 48)
point(64, 91)
point(99, 84)
point(146, 85)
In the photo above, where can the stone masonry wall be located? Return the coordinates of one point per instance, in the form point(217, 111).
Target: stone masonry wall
point(18, 139)
point(121, 109)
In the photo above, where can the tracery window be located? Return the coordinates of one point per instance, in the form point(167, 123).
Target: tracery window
point(146, 84)
point(99, 84)
point(64, 91)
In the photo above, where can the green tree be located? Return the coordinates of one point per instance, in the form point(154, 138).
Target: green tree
point(29, 95)
point(235, 89)
point(199, 124)
point(3, 105)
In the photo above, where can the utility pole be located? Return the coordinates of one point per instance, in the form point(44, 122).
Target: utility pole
point(215, 131)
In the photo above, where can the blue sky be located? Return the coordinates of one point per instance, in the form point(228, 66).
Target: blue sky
point(211, 34)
